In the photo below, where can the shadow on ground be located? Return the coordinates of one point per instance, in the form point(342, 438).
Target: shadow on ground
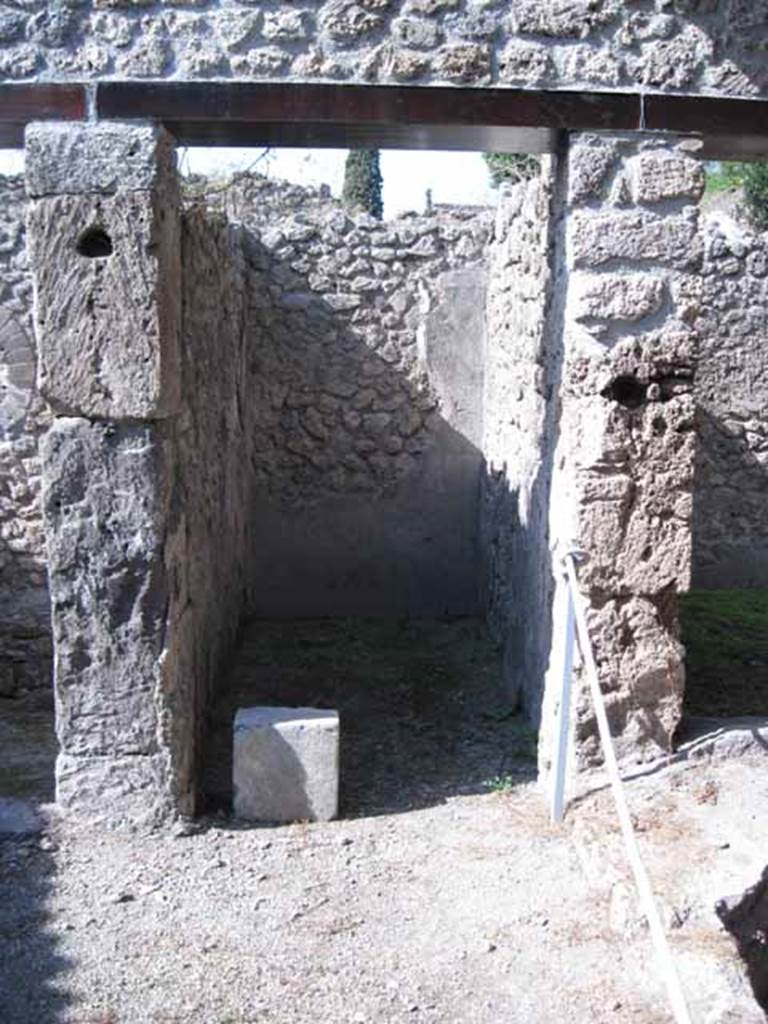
point(31, 965)
point(423, 714)
point(725, 633)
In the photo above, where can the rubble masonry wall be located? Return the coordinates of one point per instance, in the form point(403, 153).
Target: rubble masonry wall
point(518, 408)
point(730, 525)
point(624, 464)
point(365, 345)
point(25, 647)
point(691, 46)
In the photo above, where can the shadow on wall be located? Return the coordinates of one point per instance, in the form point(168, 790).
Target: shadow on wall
point(730, 525)
point(363, 401)
point(365, 496)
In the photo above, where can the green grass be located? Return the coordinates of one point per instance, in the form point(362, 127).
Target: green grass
point(725, 633)
point(501, 783)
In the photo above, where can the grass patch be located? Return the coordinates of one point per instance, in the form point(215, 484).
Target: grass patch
point(725, 633)
point(501, 783)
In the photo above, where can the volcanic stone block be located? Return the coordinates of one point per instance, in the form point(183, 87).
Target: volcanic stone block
point(286, 764)
point(81, 158)
point(636, 236)
point(107, 277)
point(662, 175)
point(105, 496)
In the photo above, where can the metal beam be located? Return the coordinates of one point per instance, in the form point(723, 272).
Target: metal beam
point(24, 102)
point(227, 113)
point(409, 117)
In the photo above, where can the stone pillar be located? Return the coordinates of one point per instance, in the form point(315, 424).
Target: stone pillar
point(622, 483)
point(104, 236)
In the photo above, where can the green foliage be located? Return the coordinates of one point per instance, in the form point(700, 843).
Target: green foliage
point(511, 167)
point(752, 178)
point(362, 181)
point(500, 783)
point(724, 176)
point(756, 194)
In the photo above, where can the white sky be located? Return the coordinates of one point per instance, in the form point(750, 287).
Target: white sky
point(454, 177)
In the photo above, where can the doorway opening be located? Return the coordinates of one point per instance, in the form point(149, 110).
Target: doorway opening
point(393, 560)
point(724, 619)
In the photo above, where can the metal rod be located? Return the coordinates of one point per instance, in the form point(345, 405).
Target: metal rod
point(647, 901)
point(564, 710)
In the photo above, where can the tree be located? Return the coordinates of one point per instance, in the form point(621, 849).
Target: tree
point(511, 167)
point(751, 178)
point(362, 181)
point(756, 194)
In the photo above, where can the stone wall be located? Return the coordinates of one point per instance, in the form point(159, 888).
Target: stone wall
point(730, 506)
point(695, 46)
point(209, 529)
point(143, 491)
point(623, 472)
point(278, 417)
point(25, 656)
point(518, 410)
point(365, 362)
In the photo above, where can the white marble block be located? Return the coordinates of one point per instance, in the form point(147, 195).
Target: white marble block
point(285, 764)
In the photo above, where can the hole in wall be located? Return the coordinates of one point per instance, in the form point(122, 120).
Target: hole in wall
point(94, 243)
point(627, 391)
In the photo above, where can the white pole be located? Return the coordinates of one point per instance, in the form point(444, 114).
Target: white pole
point(647, 902)
point(564, 710)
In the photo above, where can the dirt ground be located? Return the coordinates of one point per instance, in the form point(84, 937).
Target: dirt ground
point(443, 895)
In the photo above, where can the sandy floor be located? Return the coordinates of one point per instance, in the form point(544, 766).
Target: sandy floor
point(444, 895)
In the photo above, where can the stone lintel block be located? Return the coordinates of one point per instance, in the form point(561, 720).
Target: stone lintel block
point(81, 158)
point(286, 764)
point(117, 792)
point(635, 236)
point(107, 283)
point(106, 490)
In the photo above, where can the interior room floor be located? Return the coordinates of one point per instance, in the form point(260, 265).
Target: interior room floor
point(422, 710)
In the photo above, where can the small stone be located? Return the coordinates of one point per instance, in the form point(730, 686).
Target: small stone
point(468, 62)
point(416, 33)
point(185, 827)
point(286, 24)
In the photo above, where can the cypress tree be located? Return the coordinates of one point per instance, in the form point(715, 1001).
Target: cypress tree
point(362, 181)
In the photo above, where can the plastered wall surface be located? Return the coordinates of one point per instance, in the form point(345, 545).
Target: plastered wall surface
point(694, 46)
point(25, 657)
point(730, 523)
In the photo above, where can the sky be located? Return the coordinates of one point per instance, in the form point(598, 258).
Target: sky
point(453, 177)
